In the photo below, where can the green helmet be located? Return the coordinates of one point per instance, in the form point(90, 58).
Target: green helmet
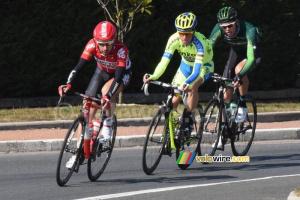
point(227, 14)
point(186, 22)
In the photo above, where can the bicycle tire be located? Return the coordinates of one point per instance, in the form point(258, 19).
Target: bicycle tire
point(195, 136)
point(155, 142)
point(101, 154)
point(69, 148)
point(241, 144)
point(212, 128)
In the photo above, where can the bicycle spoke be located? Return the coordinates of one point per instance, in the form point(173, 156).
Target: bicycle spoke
point(245, 131)
point(101, 155)
point(68, 150)
point(191, 142)
point(212, 131)
point(154, 142)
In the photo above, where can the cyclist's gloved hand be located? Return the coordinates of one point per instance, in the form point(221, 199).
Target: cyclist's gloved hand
point(63, 89)
point(147, 78)
point(105, 102)
point(237, 80)
point(186, 87)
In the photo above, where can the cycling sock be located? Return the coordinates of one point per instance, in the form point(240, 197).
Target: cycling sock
point(227, 105)
point(242, 102)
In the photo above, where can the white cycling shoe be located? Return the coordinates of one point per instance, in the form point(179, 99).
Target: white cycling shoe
point(70, 162)
point(241, 115)
point(106, 131)
point(219, 147)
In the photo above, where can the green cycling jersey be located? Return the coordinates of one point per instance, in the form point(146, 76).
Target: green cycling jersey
point(245, 41)
point(194, 56)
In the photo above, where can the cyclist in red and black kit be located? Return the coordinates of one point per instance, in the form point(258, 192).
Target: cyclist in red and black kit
point(112, 73)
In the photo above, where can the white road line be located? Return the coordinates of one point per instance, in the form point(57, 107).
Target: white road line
point(126, 194)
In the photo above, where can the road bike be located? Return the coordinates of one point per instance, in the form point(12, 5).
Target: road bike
point(217, 125)
point(167, 135)
point(80, 141)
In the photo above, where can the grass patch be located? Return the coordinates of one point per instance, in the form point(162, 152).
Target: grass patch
point(297, 192)
point(122, 111)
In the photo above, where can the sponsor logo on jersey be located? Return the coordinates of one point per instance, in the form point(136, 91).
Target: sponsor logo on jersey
point(92, 45)
point(71, 76)
point(103, 30)
point(167, 55)
point(107, 64)
point(198, 44)
point(121, 53)
point(190, 57)
point(171, 43)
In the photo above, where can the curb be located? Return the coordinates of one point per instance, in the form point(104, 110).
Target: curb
point(132, 141)
point(293, 196)
point(135, 140)
point(65, 124)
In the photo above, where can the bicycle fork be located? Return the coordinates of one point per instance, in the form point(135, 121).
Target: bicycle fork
point(87, 134)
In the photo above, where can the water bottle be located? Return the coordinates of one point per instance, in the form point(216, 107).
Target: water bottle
point(233, 107)
point(95, 128)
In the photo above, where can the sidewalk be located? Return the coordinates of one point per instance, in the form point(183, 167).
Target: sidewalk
point(48, 135)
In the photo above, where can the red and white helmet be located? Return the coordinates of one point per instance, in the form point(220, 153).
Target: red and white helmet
point(105, 31)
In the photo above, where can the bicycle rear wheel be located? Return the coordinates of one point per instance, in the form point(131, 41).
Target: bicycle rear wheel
point(190, 147)
point(69, 148)
point(101, 154)
point(155, 141)
point(212, 128)
point(245, 131)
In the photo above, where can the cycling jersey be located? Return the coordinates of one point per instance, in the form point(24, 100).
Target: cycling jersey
point(117, 57)
point(116, 63)
point(244, 42)
point(193, 56)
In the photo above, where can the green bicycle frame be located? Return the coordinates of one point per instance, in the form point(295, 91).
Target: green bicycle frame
point(171, 131)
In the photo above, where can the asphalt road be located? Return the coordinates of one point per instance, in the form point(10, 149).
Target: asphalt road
point(272, 173)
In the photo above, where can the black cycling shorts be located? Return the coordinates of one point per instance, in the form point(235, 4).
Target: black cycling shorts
point(234, 59)
point(100, 77)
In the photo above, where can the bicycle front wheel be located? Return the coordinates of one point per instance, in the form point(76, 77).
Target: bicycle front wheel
point(245, 131)
point(101, 154)
point(154, 142)
point(212, 128)
point(190, 147)
point(69, 149)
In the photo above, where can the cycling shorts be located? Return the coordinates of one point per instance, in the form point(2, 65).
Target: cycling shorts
point(186, 70)
point(101, 77)
point(235, 58)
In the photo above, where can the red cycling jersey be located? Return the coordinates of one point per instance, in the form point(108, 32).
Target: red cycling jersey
point(116, 58)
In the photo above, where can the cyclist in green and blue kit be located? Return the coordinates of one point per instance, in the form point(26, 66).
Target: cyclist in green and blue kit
point(196, 65)
point(243, 38)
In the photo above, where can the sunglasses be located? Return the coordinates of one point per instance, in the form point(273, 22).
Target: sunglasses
point(105, 43)
point(228, 26)
point(185, 33)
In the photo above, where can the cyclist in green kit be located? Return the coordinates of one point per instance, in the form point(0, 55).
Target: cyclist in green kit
point(196, 60)
point(244, 55)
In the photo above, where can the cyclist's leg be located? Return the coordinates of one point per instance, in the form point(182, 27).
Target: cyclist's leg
point(96, 83)
point(229, 72)
point(125, 81)
point(243, 89)
point(206, 72)
point(177, 80)
point(104, 90)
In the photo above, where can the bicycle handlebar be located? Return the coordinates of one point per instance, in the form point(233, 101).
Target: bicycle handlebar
point(218, 78)
point(87, 97)
point(165, 85)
